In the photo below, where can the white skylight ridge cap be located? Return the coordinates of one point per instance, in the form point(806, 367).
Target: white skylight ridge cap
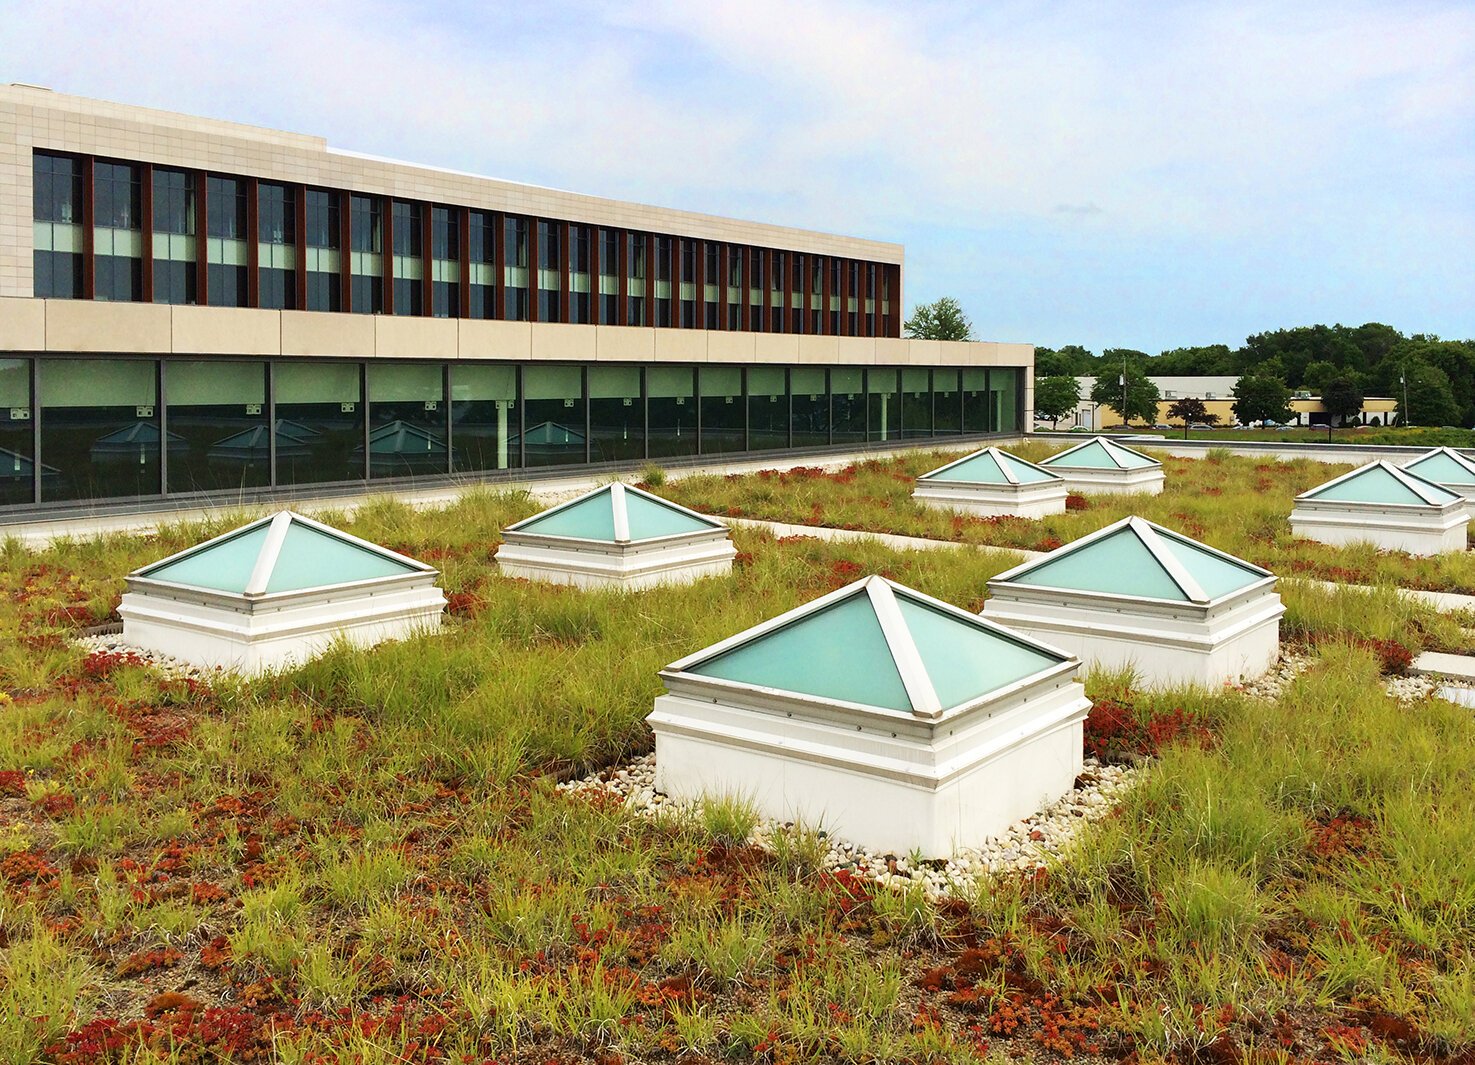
point(1110, 448)
point(1147, 533)
point(620, 512)
point(1002, 459)
point(914, 677)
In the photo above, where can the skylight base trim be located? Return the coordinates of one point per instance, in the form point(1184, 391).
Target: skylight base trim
point(1025, 500)
point(632, 566)
point(1415, 530)
point(1146, 480)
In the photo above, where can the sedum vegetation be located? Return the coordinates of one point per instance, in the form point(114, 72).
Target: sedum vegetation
point(365, 859)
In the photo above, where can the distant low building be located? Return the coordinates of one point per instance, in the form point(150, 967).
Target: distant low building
point(1217, 394)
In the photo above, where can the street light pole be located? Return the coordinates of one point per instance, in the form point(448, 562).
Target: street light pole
point(1126, 421)
point(1403, 380)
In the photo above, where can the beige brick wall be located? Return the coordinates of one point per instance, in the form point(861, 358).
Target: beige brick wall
point(35, 118)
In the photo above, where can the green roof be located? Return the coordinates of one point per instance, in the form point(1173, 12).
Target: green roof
point(616, 513)
point(1382, 482)
point(1136, 557)
point(282, 553)
point(1444, 466)
point(990, 466)
point(1099, 453)
point(877, 644)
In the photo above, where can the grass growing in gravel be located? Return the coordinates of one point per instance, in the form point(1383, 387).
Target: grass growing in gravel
point(364, 859)
point(1235, 503)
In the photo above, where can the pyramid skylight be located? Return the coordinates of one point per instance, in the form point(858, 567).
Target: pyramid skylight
point(1382, 483)
point(991, 466)
point(1100, 453)
point(1444, 466)
point(283, 553)
point(617, 513)
point(876, 644)
point(1136, 557)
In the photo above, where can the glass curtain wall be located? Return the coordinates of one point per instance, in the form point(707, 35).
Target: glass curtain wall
point(117, 234)
point(687, 293)
point(100, 428)
point(711, 277)
point(780, 271)
point(57, 205)
point(663, 281)
point(671, 410)
point(757, 283)
point(174, 236)
point(635, 279)
point(616, 414)
point(816, 292)
point(796, 293)
point(809, 397)
point(550, 266)
point(481, 254)
point(276, 245)
point(722, 407)
point(916, 402)
point(555, 432)
point(366, 254)
point(1003, 390)
point(768, 407)
point(324, 252)
point(320, 422)
point(975, 401)
point(947, 403)
point(407, 420)
point(225, 241)
point(734, 288)
point(515, 272)
point(17, 434)
point(884, 405)
point(609, 277)
point(847, 405)
point(484, 417)
point(408, 263)
point(445, 263)
point(218, 411)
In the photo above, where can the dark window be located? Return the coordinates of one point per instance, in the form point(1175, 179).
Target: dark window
point(834, 308)
point(671, 408)
point(225, 241)
point(481, 253)
point(947, 403)
point(711, 282)
point(664, 294)
point(57, 205)
point(445, 262)
point(515, 247)
point(609, 277)
point(409, 259)
point(320, 422)
point(635, 278)
point(757, 285)
point(116, 236)
point(768, 407)
point(688, 288)
point(276, 233)
point(407, 419)
point(852, 300)
point(733, 288)
point(810, 401)
point(975, 401)
point(885, 404)
point(847, 406)
point(99, 428)
point(484, 416)
point(366, 254)
point(554, 431)
point(816, 293)
point(17, 434)
point(550, 259)
point(616, 414)
point(579, 280)
point(324, 252)
point(174, 236)
point(916, 403)
point(776, 316)
point(219, 437)
point(795, 309)
point(723, 410)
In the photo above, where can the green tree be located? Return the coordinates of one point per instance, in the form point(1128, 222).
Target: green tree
point(1190, 409)
point(1069, 361)
point(1342, 397)
point(942, 319)
point(1055, 397)
point(1318, 373)
point(1261, 397)
point(1431, 401)
point(1141, 399)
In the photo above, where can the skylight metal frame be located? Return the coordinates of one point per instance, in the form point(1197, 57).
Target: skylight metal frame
point(620, 514)
point(999, 456)
point(1107, 445)
point(1420, 486)
point(1458, 459)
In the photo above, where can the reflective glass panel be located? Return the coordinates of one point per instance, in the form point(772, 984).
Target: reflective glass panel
point(672, 410)
point(100, 428)
point(847, 405)
point(884, 404)
point(916, 402)
point(17, 443)
point(320, 422)
point(218, 410)
point(975, 401)
point(484, 416)
point(768, 407)
point(407, 419)
point(722, 408)
point(947, 403)
point(553, 410)
point(616, 414)
point(810, 397)
point(1003, 387)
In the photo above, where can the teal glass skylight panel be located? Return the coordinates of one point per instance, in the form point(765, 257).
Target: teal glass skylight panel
point(1442, 468)
point(1024, 472)
point(223, 567)
point(649, 519)
point(1091, 456)
point(1120, 564)
point(963, 660)
point(588, 519)
point(982, 468)
point(1215, 575)
point(839, 652)
point(1373, 485)
point(311, 558)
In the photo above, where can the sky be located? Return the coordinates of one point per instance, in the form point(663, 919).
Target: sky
point(1114, 175)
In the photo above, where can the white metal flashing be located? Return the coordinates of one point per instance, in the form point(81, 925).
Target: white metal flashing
point(1159, 550)
point(920, 692)
point(620, 512)
point(271, 550)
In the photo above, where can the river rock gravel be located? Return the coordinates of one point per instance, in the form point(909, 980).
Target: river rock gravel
point(1030, 844)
